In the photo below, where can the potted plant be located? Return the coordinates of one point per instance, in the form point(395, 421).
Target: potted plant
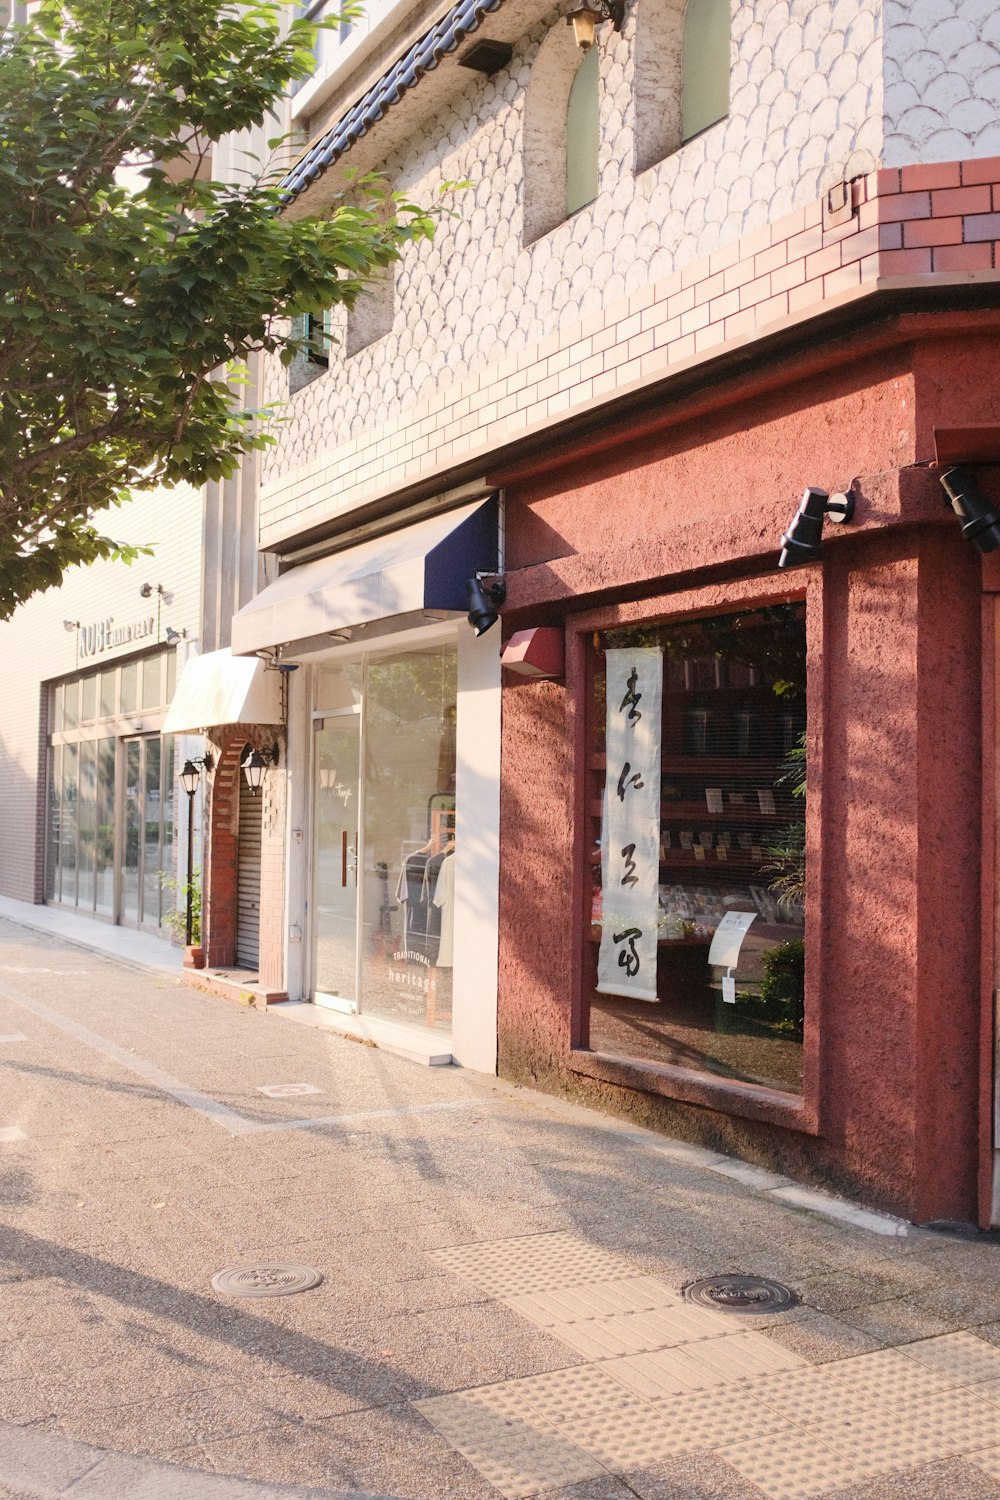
point(175, 920)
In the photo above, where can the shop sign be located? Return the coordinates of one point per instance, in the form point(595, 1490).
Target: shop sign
point(105, 635)
point(630, 836)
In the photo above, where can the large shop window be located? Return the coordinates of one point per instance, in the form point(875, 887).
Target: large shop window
point(697, 809)
point(385, 831)
point(111, 794)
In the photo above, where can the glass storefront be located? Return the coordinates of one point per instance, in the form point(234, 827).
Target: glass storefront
point(697, 856)
point(384, 835)
point(111, 794)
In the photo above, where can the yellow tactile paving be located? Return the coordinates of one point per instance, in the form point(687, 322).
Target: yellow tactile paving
point(534, 1263)
point(792, 1465)
point(605, 1299)
point(961, 1355)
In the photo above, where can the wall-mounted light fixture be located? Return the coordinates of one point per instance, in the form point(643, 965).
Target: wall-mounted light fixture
point(172, 636)
point(147, 590)
point(484, 604)
point(190, 781)
point(586, 18)
point(803, 540)
point(254, 766)
point(980, 522)
point(71, 625)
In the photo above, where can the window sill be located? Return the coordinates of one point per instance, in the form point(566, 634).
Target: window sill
point(748, 1100)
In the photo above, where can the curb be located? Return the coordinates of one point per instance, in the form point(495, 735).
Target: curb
point(44, 1466)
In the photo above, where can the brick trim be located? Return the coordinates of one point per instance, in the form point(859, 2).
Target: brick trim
point(939, 220)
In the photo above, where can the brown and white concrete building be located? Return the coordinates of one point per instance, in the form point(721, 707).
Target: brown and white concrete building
point(704, 841)
point(730, 253)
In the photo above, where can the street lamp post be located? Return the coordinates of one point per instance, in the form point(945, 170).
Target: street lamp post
point(190, 779)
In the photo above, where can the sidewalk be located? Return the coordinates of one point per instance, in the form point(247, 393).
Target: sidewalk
point(500, 1310)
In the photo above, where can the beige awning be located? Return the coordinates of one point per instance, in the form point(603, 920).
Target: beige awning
point(420, 567)
point(220, 688)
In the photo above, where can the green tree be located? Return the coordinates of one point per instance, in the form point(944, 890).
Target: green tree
point(133, 286)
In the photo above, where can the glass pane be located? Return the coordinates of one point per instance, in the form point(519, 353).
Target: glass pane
point(408, 910)
point(55, 794)
point(152, 812)
point(171, 683)
point(705, 86)
point(86, 824)
point(71, 705)
point(338, 687)
point(104, 842)
point(67, 827)
point(88, 700)
point(337, 761)
point(167, 897)
point(109, 681)
point(129, 688)
point(696, 956)
point(583, 133)
point(131, 834)
point(152, 691)
point(58, 701)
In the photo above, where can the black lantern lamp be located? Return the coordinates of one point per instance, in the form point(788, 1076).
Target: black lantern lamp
point(803, 540)
point(254, 766)
point(190, 781)
point(980, 522)
point(484, 604)
point(586, 18)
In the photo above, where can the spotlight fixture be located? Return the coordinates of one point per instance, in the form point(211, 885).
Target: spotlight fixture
point(980, 522)
point(69, 625)
point(586, 18)
point(484, 604)
point(148, 589)
point(173, 636)
point(255, 764)
point(802, 541)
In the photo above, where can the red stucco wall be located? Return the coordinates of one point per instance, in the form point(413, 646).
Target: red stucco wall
point(897, 649)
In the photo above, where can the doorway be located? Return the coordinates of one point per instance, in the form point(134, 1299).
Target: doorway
point(384, 809)
point(146, 830)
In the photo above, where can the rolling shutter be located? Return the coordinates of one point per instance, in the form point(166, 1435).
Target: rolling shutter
point(248, 880)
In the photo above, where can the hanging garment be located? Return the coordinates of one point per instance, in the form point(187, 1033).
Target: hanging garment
point(414, 892)
point(444, 901)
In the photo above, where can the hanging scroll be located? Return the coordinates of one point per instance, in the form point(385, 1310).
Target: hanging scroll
point(630, 833)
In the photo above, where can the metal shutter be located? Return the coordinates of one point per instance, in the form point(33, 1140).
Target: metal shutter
point(248, 880)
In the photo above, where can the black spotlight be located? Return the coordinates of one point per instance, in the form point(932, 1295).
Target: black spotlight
point(803, 540)
point(484, 604)
point(980, 522)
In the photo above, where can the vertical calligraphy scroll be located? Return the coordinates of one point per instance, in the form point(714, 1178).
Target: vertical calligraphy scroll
point(630, 833)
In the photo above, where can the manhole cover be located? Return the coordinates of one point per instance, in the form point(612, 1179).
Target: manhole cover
point(745, 1294)
point(265, 1279)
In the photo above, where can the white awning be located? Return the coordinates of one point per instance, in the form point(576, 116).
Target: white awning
point(420, 567)
point(220, 688)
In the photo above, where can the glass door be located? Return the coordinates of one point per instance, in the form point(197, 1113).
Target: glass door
point(131, 824)
point(147, 830)
point(336, 798)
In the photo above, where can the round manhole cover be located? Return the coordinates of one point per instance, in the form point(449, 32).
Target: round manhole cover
point(744, 1294)
point(265, 1279)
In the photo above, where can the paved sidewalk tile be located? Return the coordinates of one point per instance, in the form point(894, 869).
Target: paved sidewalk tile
point(538, 1262)
point(518, 1453)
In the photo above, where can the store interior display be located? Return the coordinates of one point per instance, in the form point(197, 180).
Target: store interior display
point(728, 998)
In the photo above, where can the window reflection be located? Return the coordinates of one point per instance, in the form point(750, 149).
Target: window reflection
point(697, 860)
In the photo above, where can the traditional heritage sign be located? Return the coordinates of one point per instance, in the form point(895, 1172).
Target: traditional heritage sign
point(630, 834)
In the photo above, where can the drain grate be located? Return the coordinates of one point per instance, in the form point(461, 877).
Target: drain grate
point(743, 1294)
point(265, 1279)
